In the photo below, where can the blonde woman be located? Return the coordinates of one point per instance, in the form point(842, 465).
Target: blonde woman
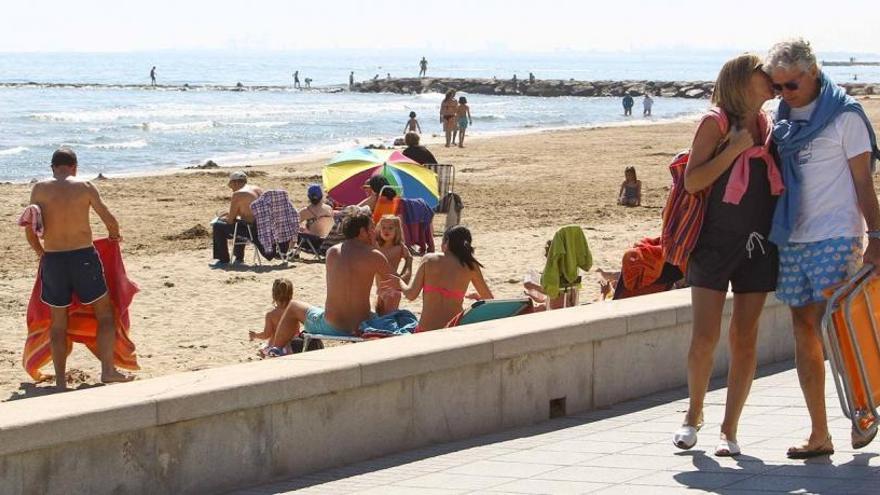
point(731, 164)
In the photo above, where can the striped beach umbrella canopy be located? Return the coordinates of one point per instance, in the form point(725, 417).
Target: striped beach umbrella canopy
point(347, 172)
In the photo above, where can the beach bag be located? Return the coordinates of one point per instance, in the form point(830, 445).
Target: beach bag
point(684, 212)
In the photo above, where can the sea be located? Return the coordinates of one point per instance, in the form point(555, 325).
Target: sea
point(118, 125)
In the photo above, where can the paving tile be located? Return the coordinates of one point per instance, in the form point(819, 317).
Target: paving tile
point(547, 457)
point(593, 474)
point(586, 446)
point(638, 461)
point(795, 484)
point(502, 468)
point(691, 479)
point(454, 481)
point(408, 490)
point(550, 487)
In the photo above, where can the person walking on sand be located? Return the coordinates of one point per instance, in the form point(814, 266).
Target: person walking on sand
point(828, 151)
point(463, 119)
point(628, 103)
point(448, 110)
point(730, 164)
point(153, 76)
point(70, 263)
point(423, 67)
point(296, 83)
point(647, 104)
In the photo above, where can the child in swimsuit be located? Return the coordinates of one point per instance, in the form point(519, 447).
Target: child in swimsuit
point(630, 190)
point(463, 114)
point(282, 293)
point(389, 241)
point(412, 125)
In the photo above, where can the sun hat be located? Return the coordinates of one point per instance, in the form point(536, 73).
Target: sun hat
point(238, 175)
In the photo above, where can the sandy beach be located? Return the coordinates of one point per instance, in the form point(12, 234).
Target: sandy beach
point(517, 191)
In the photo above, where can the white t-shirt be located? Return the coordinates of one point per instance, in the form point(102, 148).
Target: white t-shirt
point(829, 206)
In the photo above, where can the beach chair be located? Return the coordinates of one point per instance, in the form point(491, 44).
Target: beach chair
point(567, 254)
point(245, 240)
point(278, 220)
point(445, 182)
point(492, 309)
point(852, 341)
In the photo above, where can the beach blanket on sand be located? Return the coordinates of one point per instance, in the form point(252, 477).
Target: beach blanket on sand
point(401, 322)
point(82, 325)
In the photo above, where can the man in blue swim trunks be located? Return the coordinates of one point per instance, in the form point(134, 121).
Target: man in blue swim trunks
point(352, 266)
point(827, 151)
point(70, 264)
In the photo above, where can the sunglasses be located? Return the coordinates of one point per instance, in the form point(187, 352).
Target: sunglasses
point(792, 85)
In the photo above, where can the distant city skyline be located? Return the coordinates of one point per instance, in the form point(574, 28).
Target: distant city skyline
point(455, 26)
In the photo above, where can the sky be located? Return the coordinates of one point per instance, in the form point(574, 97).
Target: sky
point(438, 26)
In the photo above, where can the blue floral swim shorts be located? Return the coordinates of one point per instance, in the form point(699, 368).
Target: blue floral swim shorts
point(808, 268)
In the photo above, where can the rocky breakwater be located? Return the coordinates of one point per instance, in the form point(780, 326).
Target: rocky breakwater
point(543, 87)
point(551, 88)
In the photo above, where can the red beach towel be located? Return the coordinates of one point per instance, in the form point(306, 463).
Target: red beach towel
point(82, 326)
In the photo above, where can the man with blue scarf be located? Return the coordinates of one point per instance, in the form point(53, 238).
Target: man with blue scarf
point(827, 149)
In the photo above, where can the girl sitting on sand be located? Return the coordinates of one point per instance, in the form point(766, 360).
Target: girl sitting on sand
point(444, 278)
point(630, 189)
point(389, 240)
point(282, 293)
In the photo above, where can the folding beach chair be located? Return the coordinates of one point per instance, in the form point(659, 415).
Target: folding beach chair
point(445, 183)
point(492, 309)
point(567, 253)
point(850, 331)
point(242, 240)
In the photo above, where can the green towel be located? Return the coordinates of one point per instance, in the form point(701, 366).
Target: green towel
point(568, 252)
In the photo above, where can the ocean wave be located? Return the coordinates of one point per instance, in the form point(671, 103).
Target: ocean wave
point(254, 124)
point(13, 151)
point(125, 145)
point(181, 126)
point(490, 118)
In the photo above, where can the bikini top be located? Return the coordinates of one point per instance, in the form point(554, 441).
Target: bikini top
point(444, 292)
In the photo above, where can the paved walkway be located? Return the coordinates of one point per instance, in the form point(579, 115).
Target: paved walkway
point(624, 449)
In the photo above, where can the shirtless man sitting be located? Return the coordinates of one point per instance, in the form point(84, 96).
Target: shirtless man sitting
point(70, 263)
point(351, 268)
point(240, 213)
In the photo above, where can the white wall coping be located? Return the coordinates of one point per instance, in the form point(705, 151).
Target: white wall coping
point(42, 422)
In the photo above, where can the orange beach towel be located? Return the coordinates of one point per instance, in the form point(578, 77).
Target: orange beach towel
point(82, 326)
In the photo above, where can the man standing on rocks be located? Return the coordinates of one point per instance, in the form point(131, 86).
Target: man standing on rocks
point(423, 67)
point(296, 83)
point(153, 76)
point(351, 81)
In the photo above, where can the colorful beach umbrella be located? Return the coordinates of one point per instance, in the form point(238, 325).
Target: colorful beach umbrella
point(347, 172)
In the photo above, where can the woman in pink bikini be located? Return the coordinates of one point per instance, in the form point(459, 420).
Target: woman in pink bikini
point(444, 279)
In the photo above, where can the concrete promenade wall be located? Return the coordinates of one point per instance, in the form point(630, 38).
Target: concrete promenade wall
point(222, 428)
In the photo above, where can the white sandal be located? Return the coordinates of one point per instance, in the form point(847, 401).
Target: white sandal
point(685, 437)
point(726, 448)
